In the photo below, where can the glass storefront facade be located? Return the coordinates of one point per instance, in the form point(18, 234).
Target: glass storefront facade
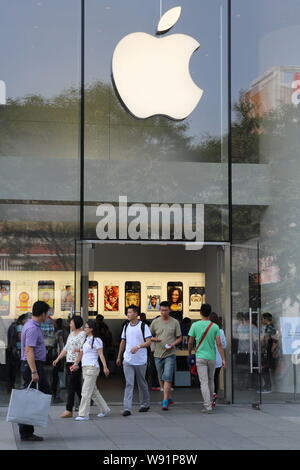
point(68, 144)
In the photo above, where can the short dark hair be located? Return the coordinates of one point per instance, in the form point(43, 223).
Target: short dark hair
point(165, 303)
point(39, 308)
point(22, 317)
point(267, 316)
point(214, 317)
point(78, 322)
point(134, 308)
point(205, 310)
point(59, 324)
point(99, 317)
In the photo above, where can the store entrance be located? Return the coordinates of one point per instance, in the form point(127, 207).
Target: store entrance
point(112, 275)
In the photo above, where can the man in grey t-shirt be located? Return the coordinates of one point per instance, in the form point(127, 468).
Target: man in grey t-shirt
point(166, 335)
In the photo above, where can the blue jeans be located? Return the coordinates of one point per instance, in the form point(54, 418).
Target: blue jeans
point(166, 367)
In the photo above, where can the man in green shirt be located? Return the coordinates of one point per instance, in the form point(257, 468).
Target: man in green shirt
point(206, 353)
point(166, 335)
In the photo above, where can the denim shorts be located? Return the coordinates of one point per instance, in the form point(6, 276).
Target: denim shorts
point(166, 367)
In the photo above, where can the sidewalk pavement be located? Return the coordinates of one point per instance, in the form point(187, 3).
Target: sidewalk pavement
point(183, 427)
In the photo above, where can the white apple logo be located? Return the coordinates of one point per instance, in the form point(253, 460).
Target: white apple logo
point(152, 74)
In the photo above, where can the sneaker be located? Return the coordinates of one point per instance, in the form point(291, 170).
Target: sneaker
point(144, 409)
point(164, 405)
point(101, 415)
point(156, 389)
point(170, 401)
point(82, 418)
point(32, 438)
point(266, 390)
point(66, 414)
point(126, 413)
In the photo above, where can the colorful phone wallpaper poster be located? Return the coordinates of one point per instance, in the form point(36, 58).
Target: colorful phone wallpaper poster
point(153, 303)
point(133, 298)
point(153, 297)
point(175, 297)
point(67, 298)
point(197, 298)
point(46, 294)
point(111, 298)
point(24, 297)
point(93, 298)
point(4, 297)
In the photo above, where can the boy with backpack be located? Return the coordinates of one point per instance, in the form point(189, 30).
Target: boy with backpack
point(135, 339)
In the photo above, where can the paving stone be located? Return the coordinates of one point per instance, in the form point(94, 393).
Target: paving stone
point(191, 444)
point(279, 443)
point(170, 432)
point(230, 427)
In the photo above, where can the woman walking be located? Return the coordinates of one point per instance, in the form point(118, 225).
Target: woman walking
point(215, 319)
point(91, 350)
point(73, 345)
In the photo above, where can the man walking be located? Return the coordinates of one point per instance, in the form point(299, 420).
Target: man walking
point(207, 335)
point(136, 338)
point(33, 357)
point(167, 334)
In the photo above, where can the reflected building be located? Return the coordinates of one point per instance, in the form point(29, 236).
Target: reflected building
point(274, 89)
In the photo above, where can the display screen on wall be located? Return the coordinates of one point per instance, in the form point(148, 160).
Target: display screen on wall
point(132, 294)
point(175, 296)
point(111, 298)
point(196, 298)
point(4, 297)
point(153, 297)
point(93, 297)
point(46, 293)
point(67, 297)
point(24, 297)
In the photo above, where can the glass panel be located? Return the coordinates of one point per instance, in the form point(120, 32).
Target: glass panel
point(246, 324)
point(265, 183)
point(39, 191)
point(157, 160)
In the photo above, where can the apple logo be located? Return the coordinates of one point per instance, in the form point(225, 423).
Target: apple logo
point(152, 74)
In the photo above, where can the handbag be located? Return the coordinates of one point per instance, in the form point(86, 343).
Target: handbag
point(29, 406)
point(192, 358)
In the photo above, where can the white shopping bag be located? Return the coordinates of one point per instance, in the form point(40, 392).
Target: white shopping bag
point(29, 406)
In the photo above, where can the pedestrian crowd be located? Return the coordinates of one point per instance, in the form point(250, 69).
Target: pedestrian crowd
point(142, 343)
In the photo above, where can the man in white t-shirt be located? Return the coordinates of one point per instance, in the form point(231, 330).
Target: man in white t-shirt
point(136, 338)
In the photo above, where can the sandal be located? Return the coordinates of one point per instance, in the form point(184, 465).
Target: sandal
point(66, 414)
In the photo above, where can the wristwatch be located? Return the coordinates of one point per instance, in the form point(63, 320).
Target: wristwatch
point(34, 372)
point(138, 346)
